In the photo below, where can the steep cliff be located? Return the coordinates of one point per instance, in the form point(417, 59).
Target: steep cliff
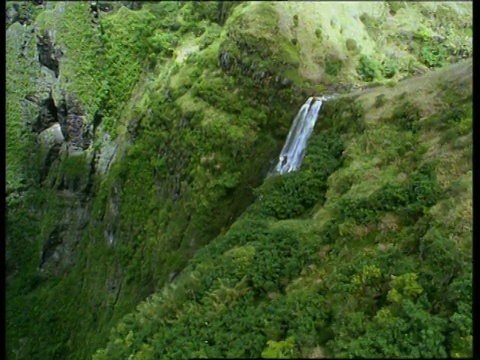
point(138, 142)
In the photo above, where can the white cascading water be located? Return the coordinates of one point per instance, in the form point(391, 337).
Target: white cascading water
point(294, 149)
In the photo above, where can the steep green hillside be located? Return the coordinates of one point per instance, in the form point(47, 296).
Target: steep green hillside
point(364, 252)
point(140, 223)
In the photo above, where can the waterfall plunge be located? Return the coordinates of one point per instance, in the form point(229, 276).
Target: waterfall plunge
point(294, 149)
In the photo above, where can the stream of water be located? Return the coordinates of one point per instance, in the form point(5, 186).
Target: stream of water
point(293, 151)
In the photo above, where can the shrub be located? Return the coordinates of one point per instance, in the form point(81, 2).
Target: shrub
point(341, 116)
point(207, 11)
point(405, 116)
point(333, 66)
point(384, 334)
point(292, 194)
point(368, 68)
point(280, 350)
point(433, 55)
point(351, 45)
point(289, 195)
point(295, 20)
point(410, 199)
point(390, 68)
point(278, 259)
point(163, 42)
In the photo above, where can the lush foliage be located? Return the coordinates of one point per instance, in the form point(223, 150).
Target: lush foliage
point(185, 248)
point(290, 195)
point(375, 278)
point(199, 168)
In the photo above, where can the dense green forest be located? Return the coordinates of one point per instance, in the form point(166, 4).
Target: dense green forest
point(141, 220)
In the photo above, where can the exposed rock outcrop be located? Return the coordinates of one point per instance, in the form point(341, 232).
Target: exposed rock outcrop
point(71, 117)
point(60, 246)
point(51, 111)
point(48, 54)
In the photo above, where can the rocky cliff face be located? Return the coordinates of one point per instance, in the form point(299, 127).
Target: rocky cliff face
point(60, 136)
point(135, 136)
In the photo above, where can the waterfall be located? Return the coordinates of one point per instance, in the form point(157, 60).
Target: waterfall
point(294, 149)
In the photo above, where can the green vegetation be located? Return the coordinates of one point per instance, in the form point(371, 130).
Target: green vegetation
point(23, 195)
point(279, 350)
point(203, 140)
point(290, 195)
point(333, 66)
point(372, 24)
point(379, 101)
point(342, 116)
point(20, 11)
point(369, 69)
point(351, 45)
point(390, 67)
point(79, 72)
point(394, 6)
point(21, 172)
point(185, 248)
point(364, 272)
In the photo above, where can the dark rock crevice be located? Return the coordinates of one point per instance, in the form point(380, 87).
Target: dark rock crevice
point(50, 245)
point(97, 119)
point(97, 6)
point(48, 53)
point(88, 190)
point(47, 115)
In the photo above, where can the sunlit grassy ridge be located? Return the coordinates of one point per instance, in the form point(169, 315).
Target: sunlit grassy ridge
point(338, 41)
point(373, 233)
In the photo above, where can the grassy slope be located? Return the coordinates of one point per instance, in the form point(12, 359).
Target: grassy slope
point(198, 142)
point(384, 248)
point(400, 38)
